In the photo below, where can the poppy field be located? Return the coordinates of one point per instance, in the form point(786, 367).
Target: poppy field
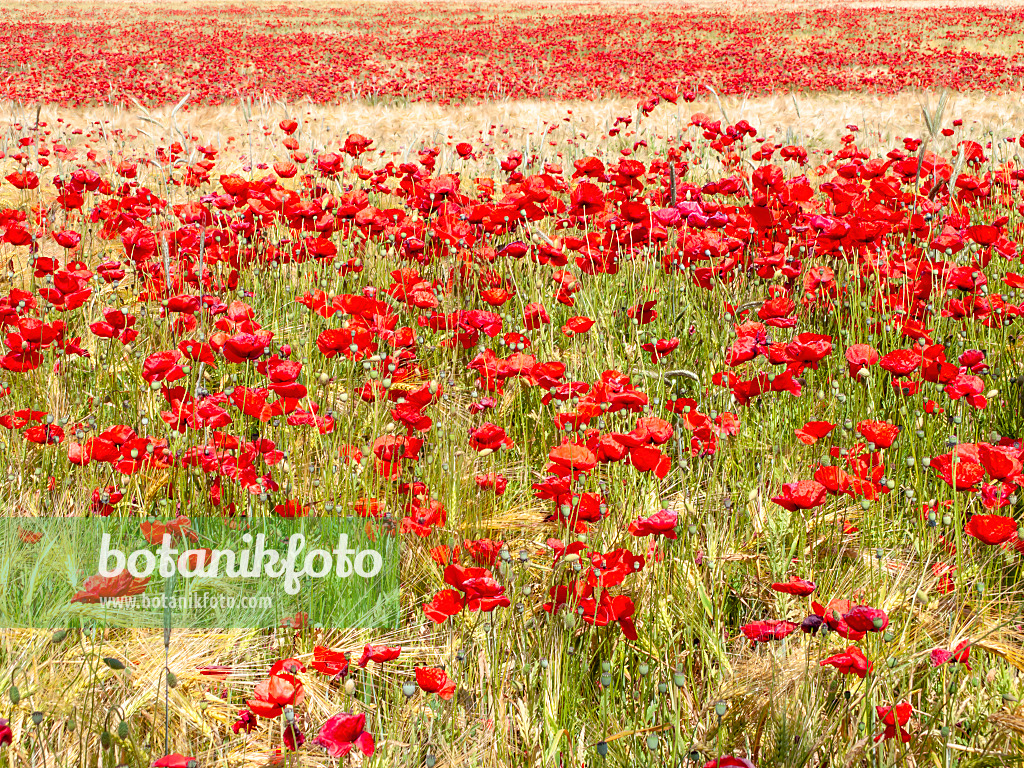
point(700, 431)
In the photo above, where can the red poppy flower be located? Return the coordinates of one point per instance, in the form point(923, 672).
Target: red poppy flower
point(643, 313)
point(328, 662)
point(534, 316)
point(991, 529)
point(958, 472)
point(344, 731)
point(433, 680)
point(489, 436)
point(662, 522)
point(863, 618)
point(729, 762)
point(813, 431)
point(901, 362)
point(274, 693)
point(1001, 463)
point(859, 356)
point(576, 325)
point(292, 508)
point(881, 433)
point(806, 494)
point(832, 615)
point(174, 760)
point(571, 457)
point(445, 604)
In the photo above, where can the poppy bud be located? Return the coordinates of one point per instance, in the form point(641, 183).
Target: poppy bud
point(122, 729)
point(14, 694)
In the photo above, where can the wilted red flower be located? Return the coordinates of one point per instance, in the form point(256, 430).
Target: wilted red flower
point(765, 631)
point(894, 718)
point(378, 654)
point(795, 586)
point(851, 662)
point(961, 655)
point(99, 588)
point(293, 737)
point(247, 721)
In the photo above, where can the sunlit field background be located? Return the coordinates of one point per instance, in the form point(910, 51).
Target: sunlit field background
point(677, 346)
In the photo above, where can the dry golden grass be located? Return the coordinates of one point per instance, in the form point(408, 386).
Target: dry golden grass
point(404, 128)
